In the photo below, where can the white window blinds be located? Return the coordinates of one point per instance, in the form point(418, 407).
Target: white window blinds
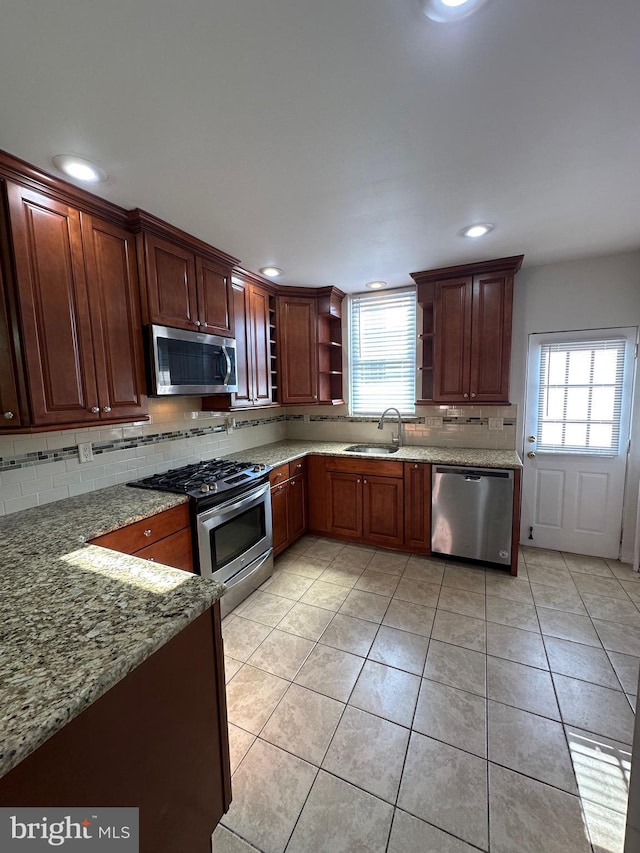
point(382, 349)
point(580, 397)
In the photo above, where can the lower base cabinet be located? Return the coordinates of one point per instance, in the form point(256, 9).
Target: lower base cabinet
point(417, 507)
point(162, 538)
point(288, 504)
point(157, 741)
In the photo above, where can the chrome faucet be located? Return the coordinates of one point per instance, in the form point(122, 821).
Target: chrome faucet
point(397, 440)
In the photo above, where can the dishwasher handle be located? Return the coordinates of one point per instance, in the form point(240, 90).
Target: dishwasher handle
point(473, 473)
point(472, 478)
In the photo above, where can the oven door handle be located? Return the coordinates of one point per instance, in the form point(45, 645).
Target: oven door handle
point(253, 567)
point(225, 508)
point(225, 381)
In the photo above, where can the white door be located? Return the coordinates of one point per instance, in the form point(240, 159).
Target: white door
point(577, 421)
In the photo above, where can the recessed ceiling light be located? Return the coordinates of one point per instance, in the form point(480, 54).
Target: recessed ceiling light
point(376, 285)
point(272, 272)
point(478, 230)
point(79, 168)
point(450, 10)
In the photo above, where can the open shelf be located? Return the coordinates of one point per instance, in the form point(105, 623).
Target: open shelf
point(426, 340)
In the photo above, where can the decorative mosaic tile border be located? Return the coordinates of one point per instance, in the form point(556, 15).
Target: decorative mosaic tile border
point(41, 457)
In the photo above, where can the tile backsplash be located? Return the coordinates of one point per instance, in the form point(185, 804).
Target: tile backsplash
point(39, 468)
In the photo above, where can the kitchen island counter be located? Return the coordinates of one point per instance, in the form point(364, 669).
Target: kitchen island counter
point(77, 618)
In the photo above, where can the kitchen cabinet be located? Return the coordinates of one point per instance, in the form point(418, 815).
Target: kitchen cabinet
point(465, 343)
point(330, 373)
point(158, 740)
point(288, 504)
point(162, 538)
point(76, 314)
point(365, 501)
point(9, 397)
point(298, 353)
point(417, 507)
point(256, 347)
point(186, 283)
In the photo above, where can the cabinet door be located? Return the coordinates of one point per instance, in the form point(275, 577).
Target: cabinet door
point(491, 337)
point(260, 345)
point(279, 503)
point(52, 288)
point(175, 550)
point(171, 284)
point(452, 340)
point(345, 505)
point(241, 325)
point(383, 513)
point(215, 298)
point(298, 355)
point(9, 408)
point(417, 506)
point(297, 510)
point(317, 493)
point(115, 316)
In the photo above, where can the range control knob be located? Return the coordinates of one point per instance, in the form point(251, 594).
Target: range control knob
point(204, 487)
point(256, 468)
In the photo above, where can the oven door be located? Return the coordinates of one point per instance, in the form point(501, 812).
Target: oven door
point(234, 534)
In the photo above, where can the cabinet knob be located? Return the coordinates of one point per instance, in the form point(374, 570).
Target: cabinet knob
point(473, 394)
point(147, 532)
point(465, 396)
point(9, 415)
point(358, 480)
point(152, 559)
point(415, 466)
point(95, 410)
point(196, 322)
point(106, 409)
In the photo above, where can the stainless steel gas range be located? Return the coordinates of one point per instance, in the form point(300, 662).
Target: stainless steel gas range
point(231, 519)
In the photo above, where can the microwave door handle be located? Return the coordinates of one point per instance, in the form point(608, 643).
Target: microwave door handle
point(228, 364)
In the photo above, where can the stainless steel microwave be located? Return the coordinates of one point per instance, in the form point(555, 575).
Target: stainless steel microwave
point(190, 363)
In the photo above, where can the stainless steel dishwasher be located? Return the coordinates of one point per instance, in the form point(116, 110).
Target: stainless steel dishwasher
point(472, 513)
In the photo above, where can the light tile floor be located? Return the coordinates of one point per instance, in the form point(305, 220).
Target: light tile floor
point(385, 702)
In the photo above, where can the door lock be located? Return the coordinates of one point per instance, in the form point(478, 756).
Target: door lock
point(531, 454)
point(531, 439)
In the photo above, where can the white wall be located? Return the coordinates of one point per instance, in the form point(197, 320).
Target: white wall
point(591, 293)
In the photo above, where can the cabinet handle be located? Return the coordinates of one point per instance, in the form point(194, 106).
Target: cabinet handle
point(147, 532)
point(95, 410)
point(9, 415)
point(106, 409)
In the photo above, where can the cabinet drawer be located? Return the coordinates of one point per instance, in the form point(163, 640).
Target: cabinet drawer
point(298, 466)
point(175, 550)
point(279, 474)
point(375, 467)
point(133, 537)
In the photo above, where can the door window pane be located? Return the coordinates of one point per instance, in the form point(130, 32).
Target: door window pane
point(580, 396)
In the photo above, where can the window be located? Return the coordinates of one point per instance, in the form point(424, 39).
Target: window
point(382, 347)
point(580, 396)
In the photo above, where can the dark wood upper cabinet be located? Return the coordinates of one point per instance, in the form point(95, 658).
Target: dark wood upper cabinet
point(170, 284)
point(466, 334)
point(9, 396)
point(185, 283)
point(215, 297)
point(53, 299)
point(298, 359)
point(452, 366)
point(70, 330)
point(254, 330)
point(112, 277)
point(492, 309)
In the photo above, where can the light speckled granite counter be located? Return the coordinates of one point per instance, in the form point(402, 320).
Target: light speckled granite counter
point(77, 618)
point(286, 451)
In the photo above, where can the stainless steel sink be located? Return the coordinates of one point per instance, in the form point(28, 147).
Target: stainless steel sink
point(372, 448)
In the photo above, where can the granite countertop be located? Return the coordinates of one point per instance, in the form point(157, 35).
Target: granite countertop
point(77, 618)
point(287, 451)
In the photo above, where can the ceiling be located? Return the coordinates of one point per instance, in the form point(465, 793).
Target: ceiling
point(342, 140)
